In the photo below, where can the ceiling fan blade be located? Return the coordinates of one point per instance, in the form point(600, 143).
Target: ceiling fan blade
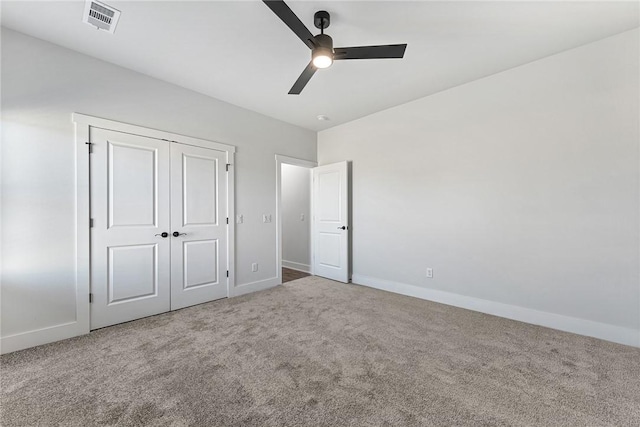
point(303, 79)
point(370, 52)
point(281, 9)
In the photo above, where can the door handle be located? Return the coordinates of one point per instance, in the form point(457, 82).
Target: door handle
point(164, 234)
point(176, 234)
point(342, 228)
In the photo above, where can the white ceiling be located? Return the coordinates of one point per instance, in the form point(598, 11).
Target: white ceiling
point(240, 52)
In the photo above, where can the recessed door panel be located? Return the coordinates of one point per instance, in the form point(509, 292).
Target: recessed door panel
point(329, 187)
point(200, 190)
point(130, 260)
point(330, 224)
point(132, 185)
point(329, 249)
point(198, 252)
point(133, 272)
point(200, 263)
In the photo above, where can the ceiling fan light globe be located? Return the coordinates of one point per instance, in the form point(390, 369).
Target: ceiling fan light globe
point(322, 57)
point(322, 61)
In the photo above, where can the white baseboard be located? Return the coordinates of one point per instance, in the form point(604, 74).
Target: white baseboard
point(575, 325)
point(260, 285)
point(305, 268)
point(51, 334)
point(42, 336)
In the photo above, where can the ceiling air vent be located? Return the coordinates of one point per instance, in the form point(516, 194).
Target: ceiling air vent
point(101, 16)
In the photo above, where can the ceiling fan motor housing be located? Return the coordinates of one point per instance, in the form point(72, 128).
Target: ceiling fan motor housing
point(323, 41)
point(324, 47)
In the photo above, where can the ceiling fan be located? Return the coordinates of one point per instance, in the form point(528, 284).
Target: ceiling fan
point(322, 51)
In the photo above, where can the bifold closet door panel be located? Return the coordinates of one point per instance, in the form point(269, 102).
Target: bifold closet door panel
point(130, 207)
point(198, 225)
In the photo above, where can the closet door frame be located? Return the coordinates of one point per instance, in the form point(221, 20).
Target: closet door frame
point(83, 124)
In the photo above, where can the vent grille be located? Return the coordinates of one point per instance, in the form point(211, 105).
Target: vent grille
point(101, 16)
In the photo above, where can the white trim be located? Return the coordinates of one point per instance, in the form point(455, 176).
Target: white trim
point(305, 268)
point(280, 160)
point(83, 234)
point(81, 324)
point(231, 228)
point(36, 337)
point(575, 325)
point(83, 119)
point(260, 285)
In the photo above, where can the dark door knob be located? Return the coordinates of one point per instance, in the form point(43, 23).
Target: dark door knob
point(163, 234)
point(176, 234)
point(342, 228)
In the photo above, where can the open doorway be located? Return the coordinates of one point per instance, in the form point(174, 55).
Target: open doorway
point(294, 184)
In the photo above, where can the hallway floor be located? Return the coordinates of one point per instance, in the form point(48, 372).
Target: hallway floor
point(289, 275)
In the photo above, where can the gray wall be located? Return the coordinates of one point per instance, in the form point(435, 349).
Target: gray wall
point(521, 188)
point(296, 232)
point(42, 84)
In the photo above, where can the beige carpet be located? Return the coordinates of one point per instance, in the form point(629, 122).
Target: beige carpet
point(319, 353)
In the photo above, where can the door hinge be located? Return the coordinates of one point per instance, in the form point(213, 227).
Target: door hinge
point(227, 166)
point(90, 297)
point(90, 222)
point(227, 273)
point(227, 220)
point(90, 145)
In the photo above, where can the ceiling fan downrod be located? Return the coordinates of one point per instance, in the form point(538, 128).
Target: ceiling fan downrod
point(322, 20)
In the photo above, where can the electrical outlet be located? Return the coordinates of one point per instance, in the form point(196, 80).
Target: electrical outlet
point(301, 217)
point(239, 219)
point(254, 267)
point(430, 273)
point(266, 218)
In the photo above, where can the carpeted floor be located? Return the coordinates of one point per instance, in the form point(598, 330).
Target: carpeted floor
point(318, 353)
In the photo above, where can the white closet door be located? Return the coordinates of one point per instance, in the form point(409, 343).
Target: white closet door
point(331, 221)
point(198, 225)
point(130, 209)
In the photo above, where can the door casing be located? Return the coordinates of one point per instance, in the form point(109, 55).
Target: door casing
point(83, 124)
point(280, 160)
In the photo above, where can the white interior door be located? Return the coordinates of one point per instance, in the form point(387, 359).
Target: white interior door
point(330, 220)
point(130, 209)
point(198, 225)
